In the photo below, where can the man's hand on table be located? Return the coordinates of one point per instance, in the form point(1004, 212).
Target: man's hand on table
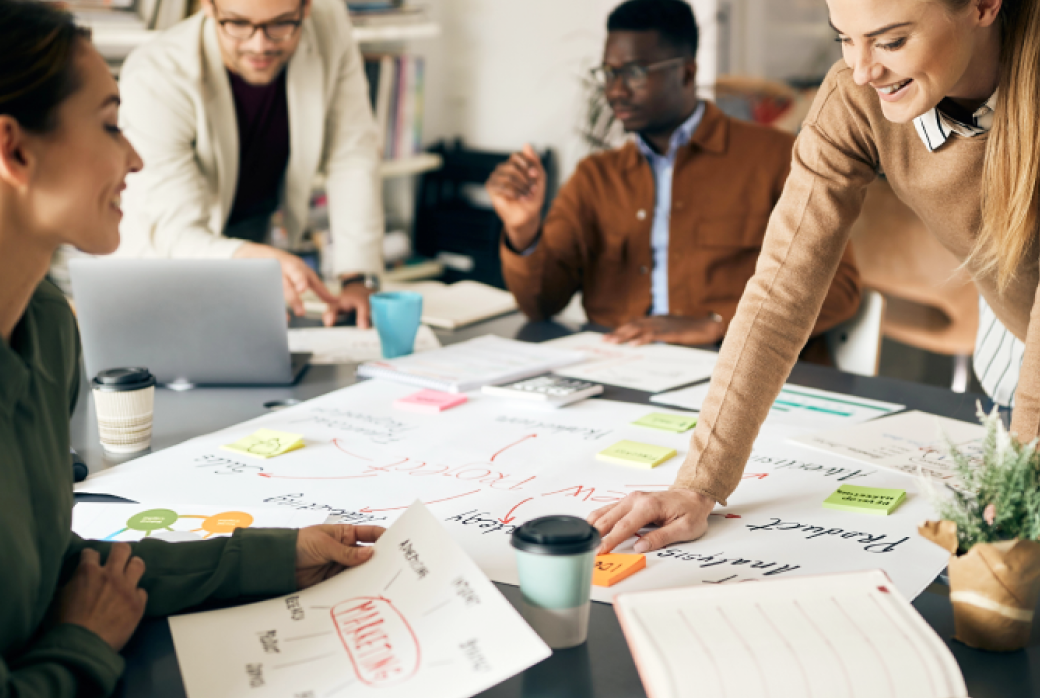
point(681, 515)
point(354, 297)
point(297, 277)
point(668, 328)
point(325, 550)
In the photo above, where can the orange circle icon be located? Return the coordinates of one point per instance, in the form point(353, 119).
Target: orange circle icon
point(227, 522)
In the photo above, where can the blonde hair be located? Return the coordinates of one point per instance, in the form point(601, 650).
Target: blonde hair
point(1011, 173)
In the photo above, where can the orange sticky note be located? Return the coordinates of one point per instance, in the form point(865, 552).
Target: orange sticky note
point(613, 567)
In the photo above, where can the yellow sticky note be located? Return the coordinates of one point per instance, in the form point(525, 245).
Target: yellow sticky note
point(613, 567)
point(636, 454)
point(266, 443)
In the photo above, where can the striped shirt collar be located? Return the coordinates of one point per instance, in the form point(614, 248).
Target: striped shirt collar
point(935, 126)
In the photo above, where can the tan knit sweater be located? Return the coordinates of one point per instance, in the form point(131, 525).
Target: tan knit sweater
point(845, 143)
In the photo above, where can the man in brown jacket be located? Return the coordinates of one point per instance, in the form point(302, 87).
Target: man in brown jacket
point(661, 235)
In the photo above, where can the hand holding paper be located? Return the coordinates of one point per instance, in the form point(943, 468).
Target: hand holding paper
point(326, 550)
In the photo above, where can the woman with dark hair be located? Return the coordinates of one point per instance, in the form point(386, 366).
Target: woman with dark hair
point(67, 606)
point(943, 98)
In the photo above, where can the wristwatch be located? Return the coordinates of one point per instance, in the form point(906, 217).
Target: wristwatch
point(371, 281)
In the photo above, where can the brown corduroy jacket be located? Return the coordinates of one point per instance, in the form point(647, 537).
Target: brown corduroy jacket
point(596, 238)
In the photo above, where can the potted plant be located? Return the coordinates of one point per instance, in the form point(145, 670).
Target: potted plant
point(991, 531)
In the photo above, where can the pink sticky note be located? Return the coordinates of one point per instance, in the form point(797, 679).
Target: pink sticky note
point(430, 401)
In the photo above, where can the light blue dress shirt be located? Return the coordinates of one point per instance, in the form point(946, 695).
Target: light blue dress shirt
point(663, 166)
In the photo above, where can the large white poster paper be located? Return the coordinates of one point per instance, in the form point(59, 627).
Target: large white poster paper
point(419, 618)
point(485, 467)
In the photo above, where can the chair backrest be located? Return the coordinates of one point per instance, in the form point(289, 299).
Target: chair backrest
point(856, 343)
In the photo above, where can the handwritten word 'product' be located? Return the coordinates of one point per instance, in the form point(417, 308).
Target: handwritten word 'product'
point(613, 567)
point(877, 501)
point(636, 454)
point(430, 401)
point(266, 443)
point(550, 390)
point(677, 423)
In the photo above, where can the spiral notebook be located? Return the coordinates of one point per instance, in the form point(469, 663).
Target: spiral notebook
point(839, 636)
point(466, 366)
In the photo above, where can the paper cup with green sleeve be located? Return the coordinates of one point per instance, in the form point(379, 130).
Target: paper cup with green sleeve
point(554, 558)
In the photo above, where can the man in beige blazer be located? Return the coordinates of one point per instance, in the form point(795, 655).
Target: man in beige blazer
point(234, 111)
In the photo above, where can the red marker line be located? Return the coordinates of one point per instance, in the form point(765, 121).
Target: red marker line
point(366, 510)
point(728, 516)
point(338, 445)
point(529, 436)
point(292, 477)
point(509, 517)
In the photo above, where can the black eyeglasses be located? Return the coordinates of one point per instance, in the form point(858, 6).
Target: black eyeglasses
point(243, 30)
point(634, 75)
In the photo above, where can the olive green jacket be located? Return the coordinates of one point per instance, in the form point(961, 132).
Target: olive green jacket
point(39, 384)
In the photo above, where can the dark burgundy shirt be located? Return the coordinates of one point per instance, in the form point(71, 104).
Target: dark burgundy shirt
point(262, 112)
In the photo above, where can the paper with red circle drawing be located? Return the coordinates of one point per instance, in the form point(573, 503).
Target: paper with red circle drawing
point(419, 618)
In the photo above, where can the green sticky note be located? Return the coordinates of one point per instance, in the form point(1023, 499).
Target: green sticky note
point(677, 423)
point(636, 454)
point(266, 443)
point(865, 500)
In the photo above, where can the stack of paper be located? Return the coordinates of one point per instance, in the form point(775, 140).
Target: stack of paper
point(349, 345)
point(839, 636)
point(469, 365)
point(652, 367)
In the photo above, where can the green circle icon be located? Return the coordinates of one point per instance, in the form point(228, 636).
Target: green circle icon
point(152, 520)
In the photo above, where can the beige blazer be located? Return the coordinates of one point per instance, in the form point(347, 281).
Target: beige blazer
point(179, 113)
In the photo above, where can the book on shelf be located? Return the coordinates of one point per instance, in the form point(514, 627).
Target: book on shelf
point(395, 88)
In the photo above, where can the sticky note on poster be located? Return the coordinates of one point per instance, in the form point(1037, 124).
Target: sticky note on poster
point(266, 443)
point(429, 401)
point(876, 501)
point(613, 567)
point(676, 423)
point(635, 454)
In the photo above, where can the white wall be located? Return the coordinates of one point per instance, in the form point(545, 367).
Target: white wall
point(504, 72)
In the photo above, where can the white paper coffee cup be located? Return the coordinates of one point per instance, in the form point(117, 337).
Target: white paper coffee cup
point(124, 400)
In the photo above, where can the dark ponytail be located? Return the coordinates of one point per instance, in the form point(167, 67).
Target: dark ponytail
point(37, 46)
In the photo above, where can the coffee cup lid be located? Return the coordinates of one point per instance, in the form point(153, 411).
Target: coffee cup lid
point(556, 535)
point(119, 380)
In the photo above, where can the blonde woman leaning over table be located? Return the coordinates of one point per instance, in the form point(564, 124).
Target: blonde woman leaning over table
point(67, 606)
point(943, 98)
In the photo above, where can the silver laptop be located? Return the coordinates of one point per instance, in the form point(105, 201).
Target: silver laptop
point(190, 322)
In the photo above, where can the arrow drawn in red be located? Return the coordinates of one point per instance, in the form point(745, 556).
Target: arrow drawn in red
point(367, 510)
point(509, 518)
point(728, 516)
point(337, 444)
point(760, 476)
point(293, 477)
point(529, 436)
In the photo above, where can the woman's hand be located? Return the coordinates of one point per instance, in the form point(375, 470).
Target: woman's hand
point(325, 550)
point(682, 515)
point(105, 599)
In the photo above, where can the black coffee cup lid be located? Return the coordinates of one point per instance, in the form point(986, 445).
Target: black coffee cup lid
point(556, 535)
point(118, 380)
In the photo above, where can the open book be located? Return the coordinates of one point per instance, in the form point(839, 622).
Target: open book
point(839, 636)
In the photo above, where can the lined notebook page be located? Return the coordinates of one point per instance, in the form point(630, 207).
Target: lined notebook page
point(833, 636)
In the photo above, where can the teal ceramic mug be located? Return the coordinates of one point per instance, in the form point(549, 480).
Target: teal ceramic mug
point(554, 559)
point(396, 315)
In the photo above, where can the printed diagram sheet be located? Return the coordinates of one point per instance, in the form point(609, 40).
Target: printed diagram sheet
point(485, 467)
point(911, 442)
point(652, 367)
point(419, 618)
point(796, 408)
point(117, 521)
